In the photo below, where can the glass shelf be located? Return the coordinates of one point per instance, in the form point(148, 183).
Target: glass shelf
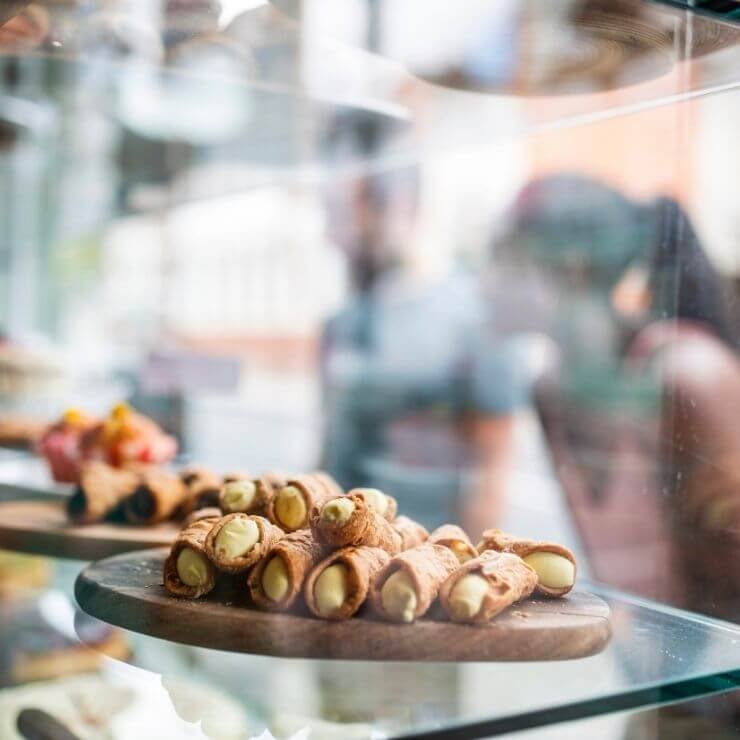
point(509, 48)
point(541, 67)
point(658, 655)
point(211, 104)
point(252, 98)
point(238, 134)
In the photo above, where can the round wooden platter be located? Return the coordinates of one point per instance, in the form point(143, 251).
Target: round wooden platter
point(42, 528)
point(126, 591)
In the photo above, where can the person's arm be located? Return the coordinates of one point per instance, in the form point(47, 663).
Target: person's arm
point(501, 374)
point(491, 439)
point(701, 388)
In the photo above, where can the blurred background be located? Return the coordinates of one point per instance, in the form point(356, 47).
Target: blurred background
point(484, 258)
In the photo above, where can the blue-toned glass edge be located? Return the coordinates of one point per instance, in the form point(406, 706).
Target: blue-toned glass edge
point(643, 697)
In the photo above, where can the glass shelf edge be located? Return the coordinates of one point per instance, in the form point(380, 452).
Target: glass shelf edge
point(643, 698)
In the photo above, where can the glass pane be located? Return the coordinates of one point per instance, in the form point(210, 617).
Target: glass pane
point(481, 257)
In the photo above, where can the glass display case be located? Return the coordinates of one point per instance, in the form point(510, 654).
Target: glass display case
point(480, 256)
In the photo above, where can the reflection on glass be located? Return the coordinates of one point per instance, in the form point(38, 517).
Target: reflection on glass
point(639, 438)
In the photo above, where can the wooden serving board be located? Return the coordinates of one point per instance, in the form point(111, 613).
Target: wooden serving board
point(42, 528)
point(126, 591)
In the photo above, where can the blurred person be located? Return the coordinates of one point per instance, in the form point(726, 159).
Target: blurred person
point(693, 349)
point(420, 393)
point(644, 261)
point(643, 427)
point(640, 413)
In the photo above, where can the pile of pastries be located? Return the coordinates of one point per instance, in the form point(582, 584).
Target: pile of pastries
point(143, 494)
point(293, 542)
point(125, 437)
point(301, 542)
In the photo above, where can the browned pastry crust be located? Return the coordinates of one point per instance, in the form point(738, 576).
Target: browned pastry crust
point(498, 541)
point(158, 496)
point(267, 486)
point(202, 487)
point(427, 566)
point(101, 491)
point(300, 552)
point(270, 535)
point(234, 475)
point(412, 533)
point(391, 510)
point(363, 564)
point(192, 473)
point(315, 488)
point(332, 487)
point(208, 512)
point(364, 527)
point(193, 537)
point(509, 580)
point(452, 536)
